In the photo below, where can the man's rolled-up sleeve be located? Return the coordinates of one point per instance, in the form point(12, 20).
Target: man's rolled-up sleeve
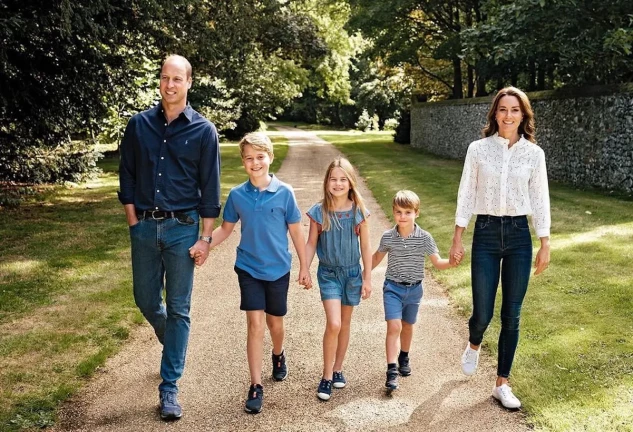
point(127, 165)
point(209, 175)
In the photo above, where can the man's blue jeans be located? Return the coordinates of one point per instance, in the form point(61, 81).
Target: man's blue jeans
point(502, 246)
point(160, 259)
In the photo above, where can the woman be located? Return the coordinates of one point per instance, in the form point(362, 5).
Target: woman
point(504, 180)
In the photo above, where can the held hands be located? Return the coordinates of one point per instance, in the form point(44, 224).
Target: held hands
point(366, 289)
point(456, 253)
point(199, 252)
point(455, 258)
point(305, 279)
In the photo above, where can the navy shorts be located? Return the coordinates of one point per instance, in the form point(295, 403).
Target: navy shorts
point(258, 294)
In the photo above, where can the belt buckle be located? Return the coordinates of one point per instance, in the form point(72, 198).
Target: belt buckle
point(157, 218)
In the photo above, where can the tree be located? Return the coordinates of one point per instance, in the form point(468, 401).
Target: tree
point(75, 69)
point(424, 34)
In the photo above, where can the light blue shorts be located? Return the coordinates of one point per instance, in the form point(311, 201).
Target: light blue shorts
point(340, 283)
point(401, 302)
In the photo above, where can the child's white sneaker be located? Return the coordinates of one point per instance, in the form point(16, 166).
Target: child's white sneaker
point(504, 394)
point(470, 360)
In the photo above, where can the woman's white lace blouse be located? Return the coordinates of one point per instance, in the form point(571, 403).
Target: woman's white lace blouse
point(502, 181)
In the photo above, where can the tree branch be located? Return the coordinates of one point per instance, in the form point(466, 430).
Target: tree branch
point(432, 75)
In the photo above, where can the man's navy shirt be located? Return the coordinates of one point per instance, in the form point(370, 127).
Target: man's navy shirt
point(173, 166)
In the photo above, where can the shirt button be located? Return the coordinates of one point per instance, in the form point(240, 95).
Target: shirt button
point(159, 174)
point(165, 124)
point(156, 208)
point(162, 157)
point(157, 190)
point(164, 140)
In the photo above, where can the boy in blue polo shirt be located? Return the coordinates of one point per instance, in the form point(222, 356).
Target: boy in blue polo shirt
point(268, 210)
point(407, 245)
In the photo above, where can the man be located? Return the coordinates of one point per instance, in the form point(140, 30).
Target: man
point(169, 180)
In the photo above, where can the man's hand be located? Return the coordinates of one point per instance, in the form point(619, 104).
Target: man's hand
point(199, 252)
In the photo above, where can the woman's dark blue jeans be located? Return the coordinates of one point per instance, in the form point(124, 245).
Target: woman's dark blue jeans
point(502, 246)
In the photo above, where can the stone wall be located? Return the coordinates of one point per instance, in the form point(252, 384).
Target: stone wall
point(587, 134)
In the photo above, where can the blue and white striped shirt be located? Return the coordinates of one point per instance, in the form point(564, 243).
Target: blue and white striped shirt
point(405, 263)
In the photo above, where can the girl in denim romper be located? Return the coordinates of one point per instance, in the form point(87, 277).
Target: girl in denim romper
point(340, 238)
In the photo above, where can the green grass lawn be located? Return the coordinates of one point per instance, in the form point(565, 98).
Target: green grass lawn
point(574, 366)
point(65, 290)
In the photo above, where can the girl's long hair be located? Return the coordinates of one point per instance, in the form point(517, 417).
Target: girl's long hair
point(327, 207)
point(526, 128)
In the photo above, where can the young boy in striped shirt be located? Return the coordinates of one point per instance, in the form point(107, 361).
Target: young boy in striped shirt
point(407, 245)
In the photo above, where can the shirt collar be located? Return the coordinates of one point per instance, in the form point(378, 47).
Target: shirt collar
point(417, 232)
point(504, 142)
point(188, 111)
point(273, 186)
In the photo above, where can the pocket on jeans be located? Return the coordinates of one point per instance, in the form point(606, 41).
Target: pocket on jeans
point(132, 227)
point(521, 224)
point(188, 221)
point(482, 224)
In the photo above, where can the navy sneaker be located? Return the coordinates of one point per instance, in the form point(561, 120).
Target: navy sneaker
point(403, 366)
point(338, 380)
point(170, 409)
point(255, 399)
point(392, 380)
point(280, 369)
point(325, 389)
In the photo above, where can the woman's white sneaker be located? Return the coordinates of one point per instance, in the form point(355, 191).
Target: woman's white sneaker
point(504, 394)
point(470, 360)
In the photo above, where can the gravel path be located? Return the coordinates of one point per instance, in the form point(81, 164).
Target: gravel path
point(123, 395)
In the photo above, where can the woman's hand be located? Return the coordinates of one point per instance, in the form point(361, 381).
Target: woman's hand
point(542, 257)
point(456, 253)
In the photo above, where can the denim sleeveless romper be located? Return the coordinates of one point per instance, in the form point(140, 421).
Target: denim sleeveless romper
point(338, 249)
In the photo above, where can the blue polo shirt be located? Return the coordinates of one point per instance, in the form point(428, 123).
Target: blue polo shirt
point(265, 215)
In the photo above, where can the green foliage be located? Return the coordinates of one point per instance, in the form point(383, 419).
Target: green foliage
point(486, 44)
point(423, 34)
point(391, 124)
point(31, 164)
point(567, 42)
point(79, 70)
point(364, 122)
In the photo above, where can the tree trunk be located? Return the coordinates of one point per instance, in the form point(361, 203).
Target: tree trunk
point(540, 76)
point(481, 80)
point(471, 81)
point(458, 92)
point(531, 74)
point(550, 74)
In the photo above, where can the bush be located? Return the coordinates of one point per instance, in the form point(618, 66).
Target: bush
point(364, 121)
point(245, 124)
point(74, 162)
point(390, 124)
point(375, 122)
point(403, 130)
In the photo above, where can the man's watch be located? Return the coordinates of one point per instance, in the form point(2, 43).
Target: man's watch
point(205, 238)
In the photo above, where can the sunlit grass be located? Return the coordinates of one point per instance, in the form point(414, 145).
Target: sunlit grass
point(574, 366)
point(65, 290)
